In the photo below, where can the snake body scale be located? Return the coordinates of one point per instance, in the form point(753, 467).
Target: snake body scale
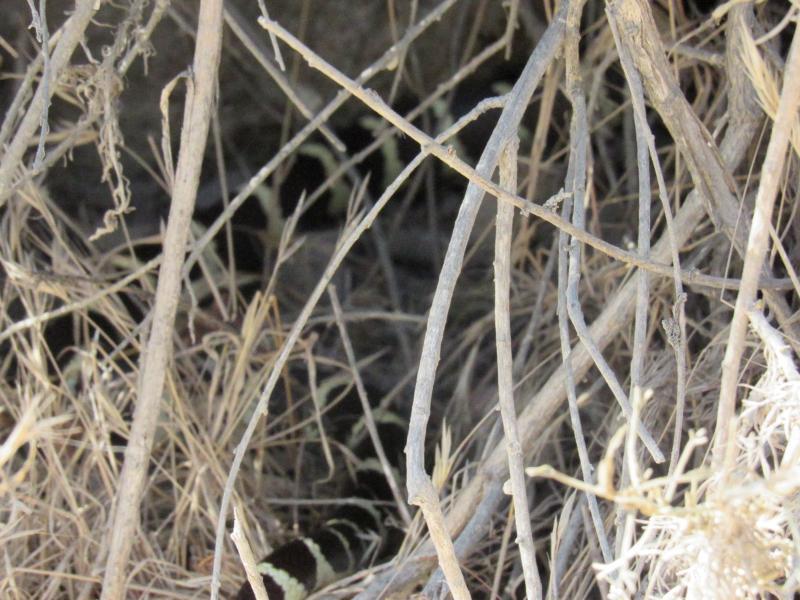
point(353, 533)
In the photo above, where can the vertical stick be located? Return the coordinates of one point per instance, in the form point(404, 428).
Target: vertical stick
point(505, 380)
point(771, 172)
point(196, 119)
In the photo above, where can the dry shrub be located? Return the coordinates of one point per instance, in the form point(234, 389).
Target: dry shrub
point(84, 199)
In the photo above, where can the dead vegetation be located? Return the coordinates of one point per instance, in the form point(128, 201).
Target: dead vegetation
point(621, 361)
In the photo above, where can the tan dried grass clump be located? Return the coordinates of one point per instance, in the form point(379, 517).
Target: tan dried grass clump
point(258, 357)
point(736, 534)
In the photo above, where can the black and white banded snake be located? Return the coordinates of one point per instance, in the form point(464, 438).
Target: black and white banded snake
point(354, 532)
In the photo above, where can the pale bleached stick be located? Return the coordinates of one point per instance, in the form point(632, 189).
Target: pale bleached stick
point(247, 36)
point(197, 117)
point(505, 379)
point(248, 560)
point(71, 35)
point(771, 175)
point(676, 333)
point(539, 411)
point(579, 146)
point(120, 66)
point(310, 127)
point(578, 142)
point(638, 31)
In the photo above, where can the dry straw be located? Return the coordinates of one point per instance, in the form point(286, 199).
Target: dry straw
point(149, 382)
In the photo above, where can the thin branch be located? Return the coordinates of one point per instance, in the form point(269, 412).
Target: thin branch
point(249, 39)
point(420, 489)
point(80, 129)
point(616, 314)
point(572, 74)
point(505, 379)
point(369, 420)
point(578, 163)
point(248, 560)
point(481, 182)
point(771, 174)
point(71, 35)
point(639, 33)
point(197, 117)
point(309, 128)
point(43, 37)
point(676, 327)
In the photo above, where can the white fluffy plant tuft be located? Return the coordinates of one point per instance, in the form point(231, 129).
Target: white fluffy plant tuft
point(713, 533)
point(736, 534)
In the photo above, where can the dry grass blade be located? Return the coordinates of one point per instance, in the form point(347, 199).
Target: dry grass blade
point(145, 335)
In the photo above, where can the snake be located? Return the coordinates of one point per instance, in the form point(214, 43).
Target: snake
point(355, 532)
